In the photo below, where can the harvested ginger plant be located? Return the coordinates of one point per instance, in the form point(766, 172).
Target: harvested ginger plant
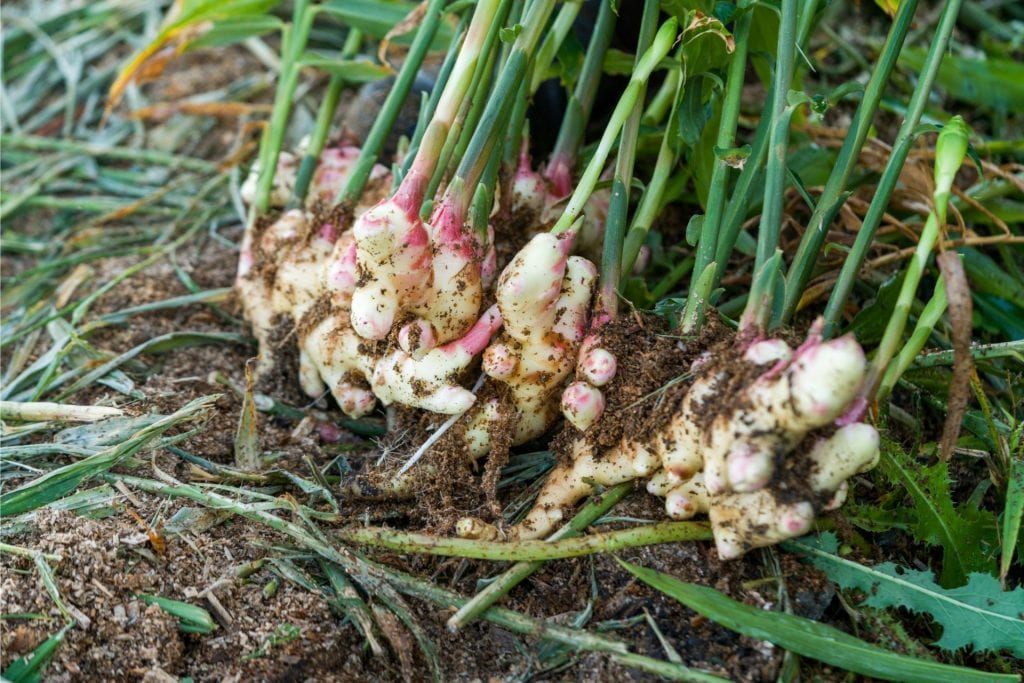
point(389, 306)
point(602, 322)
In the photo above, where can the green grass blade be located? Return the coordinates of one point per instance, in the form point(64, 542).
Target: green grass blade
point(808, 638)
point(1012, 514)
point(191, 618)
point(29, 669)
point(61, 481)
point(165, 342)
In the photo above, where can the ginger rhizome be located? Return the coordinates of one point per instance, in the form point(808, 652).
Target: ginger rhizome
point(400, 299)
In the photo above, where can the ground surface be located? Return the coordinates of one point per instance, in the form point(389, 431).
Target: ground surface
point(269, 625)
point(111, 560)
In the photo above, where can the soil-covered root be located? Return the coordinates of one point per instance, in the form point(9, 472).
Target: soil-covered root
point(751, 444)
point(281, 264)
point(431, 273)
point(543, 296)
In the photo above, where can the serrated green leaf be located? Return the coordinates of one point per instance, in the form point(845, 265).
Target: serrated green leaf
point(978, 614)
point(806, 637)
point(966, 533)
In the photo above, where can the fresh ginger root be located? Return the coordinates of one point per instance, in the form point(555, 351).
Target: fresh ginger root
point(307, 268)
point(543, 296)
point(741, 454)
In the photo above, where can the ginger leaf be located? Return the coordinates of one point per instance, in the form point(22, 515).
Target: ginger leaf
point(978, 614)
point(965, 533)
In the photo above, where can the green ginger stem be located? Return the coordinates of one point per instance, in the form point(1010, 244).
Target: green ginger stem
point(597, 506)
point(759, 306)
point(393, 103)
point(890, 177)
point(950, 150)
point(577, 111)
point(293, 39)
point(618, 205)
point(832, 199)
point(696, 306)
point(663, 41)
point(530, 551)
point(322, 128)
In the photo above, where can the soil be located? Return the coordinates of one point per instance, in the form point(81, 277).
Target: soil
point(293, 635)
point(107, 563)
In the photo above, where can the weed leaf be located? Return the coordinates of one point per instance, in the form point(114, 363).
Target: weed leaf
point(965, 533)
point(978, 614)
point(806, 637)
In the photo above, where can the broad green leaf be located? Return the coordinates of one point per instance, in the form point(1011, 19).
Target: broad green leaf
point(706, 44)
point(808, 638)
point(1012, 514)
point(351, 70)
point(986, 276)
point(999, 315)
point(870, 322)
point(978, 614)
point(965, 533)
point(191, 618)
point(236, 29)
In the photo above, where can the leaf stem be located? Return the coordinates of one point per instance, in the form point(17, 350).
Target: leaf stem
point(758, 312)
point(393, 104)
point(530, 551)
point(627, 103)
point(900, 150)
point(294, 39)
point(581, 102)
point(950, 150)
point(696, 306)
point(832, 199)
point(411, 191)
point(322, 128)
point(594, 509)
point(739, 200)
point(556, 34)
point(926, 322)
point(430, 106)
point(618, 205)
